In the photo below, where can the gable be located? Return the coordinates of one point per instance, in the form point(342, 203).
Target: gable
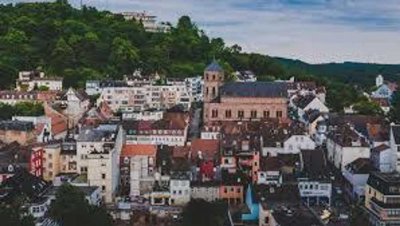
point(318, 105)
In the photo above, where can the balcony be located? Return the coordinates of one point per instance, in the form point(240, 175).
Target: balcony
point(385, 211)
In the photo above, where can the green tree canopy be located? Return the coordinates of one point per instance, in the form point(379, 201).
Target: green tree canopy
point(199, 212)
point(71, 209)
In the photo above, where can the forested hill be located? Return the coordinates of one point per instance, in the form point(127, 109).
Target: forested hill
point(348, 72)
point(90, 44)
point(81, 44)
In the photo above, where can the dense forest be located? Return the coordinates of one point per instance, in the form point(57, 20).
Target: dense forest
point(81, 44)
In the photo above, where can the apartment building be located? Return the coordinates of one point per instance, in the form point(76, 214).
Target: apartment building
point(171, 130)
point(92, 140)
point(138, 163)
point(31, 80)
point(382, 198)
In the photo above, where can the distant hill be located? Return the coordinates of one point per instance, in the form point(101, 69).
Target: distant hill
point(348, 72)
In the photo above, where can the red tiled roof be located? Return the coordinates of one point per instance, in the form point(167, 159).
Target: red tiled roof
point(139, 149)
point(59, 123)
point(208, 148)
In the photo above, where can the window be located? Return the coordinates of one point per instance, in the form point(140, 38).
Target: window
point(266, 114)
point(214, 113)
point(228, 114)
point(225, 190)
point(238, 190)
point(103, 188)
point(240, 114)
point(279, 114)
point(103, 176)
point(266, 220)
point(213, 91)
point(254, 114)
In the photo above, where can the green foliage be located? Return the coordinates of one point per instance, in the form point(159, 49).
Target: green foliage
point(20, 109)
point(366, 107)
point(81, 44)
point(10, 215)
point(394, 113)
point(71, 209)
point(199, 212)
point(43, 88)
point(340, 95)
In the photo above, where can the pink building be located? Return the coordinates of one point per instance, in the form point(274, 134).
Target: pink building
point(236, 101)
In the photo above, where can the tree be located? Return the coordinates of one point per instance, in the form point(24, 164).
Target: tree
point(43, 88)
point(199, 212)
point(71, 209)
point(124, 56)
point(366, 107)
point(11, 215)
point(62, 56)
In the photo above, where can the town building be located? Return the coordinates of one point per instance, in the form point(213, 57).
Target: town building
point(73, 104)
point(344, 145)
point(245, 76)
point(270, 171)
point(356, 174)
point(208, 191)
point(235, 101)
point(383, 158)
point(68, 156)
point(147, 115)
point(59, 122)
point(314, 183)
point(95, 140)
point(42, 126)
point(384, 89)
point(302, 104)
point(34, 80)
point(395, 144)
point(148, 21)
point(180, 188)
point(282, 206)
point(19, 131)
point(13, 97)
point(381, 198)
point(51, 161)
point(138, 166)
point(171, 130)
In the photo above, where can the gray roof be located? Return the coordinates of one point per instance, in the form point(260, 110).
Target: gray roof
point(254, 89)
point(94, 135)
point(16, 125)
point(214, 66)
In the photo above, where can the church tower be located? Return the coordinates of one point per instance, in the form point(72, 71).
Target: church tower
point(213, 80)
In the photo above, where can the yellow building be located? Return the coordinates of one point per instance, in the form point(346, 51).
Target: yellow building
point(51, 161)
point(382, 198)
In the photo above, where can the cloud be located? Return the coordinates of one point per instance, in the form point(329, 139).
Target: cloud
point(312, 30)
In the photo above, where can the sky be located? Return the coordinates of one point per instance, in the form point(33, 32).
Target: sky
point(315, 31)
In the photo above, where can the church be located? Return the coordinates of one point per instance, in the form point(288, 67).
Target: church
point(240, 101)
